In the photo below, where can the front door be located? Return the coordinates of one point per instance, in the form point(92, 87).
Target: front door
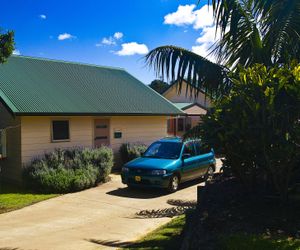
point(101, 134)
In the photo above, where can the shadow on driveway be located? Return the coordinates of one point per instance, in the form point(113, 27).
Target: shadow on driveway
point(149, 193)
point(179, 207)
point(138, 193)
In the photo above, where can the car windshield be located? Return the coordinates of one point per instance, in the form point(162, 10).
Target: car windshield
point(164, 150)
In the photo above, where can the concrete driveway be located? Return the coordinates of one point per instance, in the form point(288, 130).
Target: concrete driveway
point(97, 218)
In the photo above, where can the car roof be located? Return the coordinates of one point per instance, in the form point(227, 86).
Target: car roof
point(177, 140)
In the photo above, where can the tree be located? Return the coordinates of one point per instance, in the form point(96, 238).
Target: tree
point(257, 127)
point(252, 31)
point(6, 45)
point(159, 86)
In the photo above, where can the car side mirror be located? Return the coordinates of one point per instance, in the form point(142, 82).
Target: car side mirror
point(185, 156)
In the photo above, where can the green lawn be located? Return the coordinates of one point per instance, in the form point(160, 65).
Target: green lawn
point(12, 198)
point(252, 242)
point(167, 236)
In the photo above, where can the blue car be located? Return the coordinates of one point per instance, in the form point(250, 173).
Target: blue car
point(169, 162)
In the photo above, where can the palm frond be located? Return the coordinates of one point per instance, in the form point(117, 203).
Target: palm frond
point(281, 26)
point(178, 64)
point(241, 39)
point(257, 31)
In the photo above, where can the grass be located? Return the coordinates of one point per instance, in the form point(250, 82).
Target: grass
point(12, 198)
point(167, 236)
point(253, 242)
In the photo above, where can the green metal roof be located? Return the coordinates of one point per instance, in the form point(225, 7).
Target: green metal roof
point(182, 105)
point(34, 86)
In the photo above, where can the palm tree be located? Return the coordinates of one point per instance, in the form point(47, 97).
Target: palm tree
point(252, 31)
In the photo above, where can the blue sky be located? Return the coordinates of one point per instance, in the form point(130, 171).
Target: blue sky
point(111, 33)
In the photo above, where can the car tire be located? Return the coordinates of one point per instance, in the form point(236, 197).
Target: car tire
point(173, 183)
point(209, 174)
point(129, 186)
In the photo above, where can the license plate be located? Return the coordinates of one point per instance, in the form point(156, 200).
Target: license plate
point(137, 178)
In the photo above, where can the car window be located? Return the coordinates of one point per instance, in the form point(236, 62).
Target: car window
point(165, 150)
point(189, 149)
point(200, 149)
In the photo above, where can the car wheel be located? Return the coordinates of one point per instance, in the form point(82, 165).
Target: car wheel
point(129, 186)
point(174, 184)
point(209, 173)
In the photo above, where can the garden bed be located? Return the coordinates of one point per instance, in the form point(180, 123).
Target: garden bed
point(229, 218)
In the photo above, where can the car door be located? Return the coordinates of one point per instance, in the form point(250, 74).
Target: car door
point(204, 158)
point(189, 162)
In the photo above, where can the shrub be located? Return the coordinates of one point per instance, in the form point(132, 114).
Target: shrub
point(65, 171)
point(256, 127)
point(130, 151)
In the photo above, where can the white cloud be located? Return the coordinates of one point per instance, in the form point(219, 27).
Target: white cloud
point(208, 35)
point(187, 15)
point(112, 40)
point(106, 41)
point(133, 48)
point(65, 36)
point(201, 19)
point(16, 52)
point(183, 16)
point(203, 50)
point(204, 17)
point(118, 35)
point(42, 16)
point(206, 40)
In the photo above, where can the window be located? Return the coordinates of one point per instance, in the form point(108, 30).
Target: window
point(60, 130)
point(189, 149)
point(200, 149)
point(164, 150)
point(2, 143)
point(180, 124)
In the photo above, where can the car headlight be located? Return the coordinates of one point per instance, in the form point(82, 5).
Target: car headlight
point(158, 172)
point(125, 169)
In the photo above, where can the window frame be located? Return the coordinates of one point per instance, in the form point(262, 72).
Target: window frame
point(194, 149)
point(52, 132)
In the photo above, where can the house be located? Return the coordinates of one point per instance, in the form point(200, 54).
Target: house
point(47, 104)
point(193, 107)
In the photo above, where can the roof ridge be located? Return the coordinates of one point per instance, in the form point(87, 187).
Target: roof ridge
point(67, 62)
point(155, 92)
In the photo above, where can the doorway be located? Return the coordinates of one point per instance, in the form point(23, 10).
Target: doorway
point(101, 132)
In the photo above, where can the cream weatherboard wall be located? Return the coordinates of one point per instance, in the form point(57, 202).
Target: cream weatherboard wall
point(36, 135)
point(145, 129)
point(173, 95)
point(36, 132)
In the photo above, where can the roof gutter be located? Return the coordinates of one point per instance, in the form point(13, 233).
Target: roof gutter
point(94, 114)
